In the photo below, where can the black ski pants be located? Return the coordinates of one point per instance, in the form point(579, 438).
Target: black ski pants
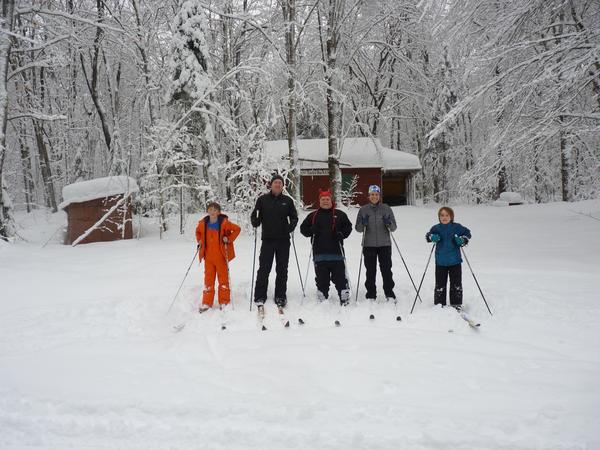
point(441, 279)
point(326, 271)
point(269, 249)
point(384, 255)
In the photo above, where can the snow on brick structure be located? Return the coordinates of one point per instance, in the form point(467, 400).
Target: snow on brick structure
point(99, 209)
point(512, 198)
point(365, 158)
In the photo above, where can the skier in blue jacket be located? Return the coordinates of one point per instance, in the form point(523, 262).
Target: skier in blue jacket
point(448, 237)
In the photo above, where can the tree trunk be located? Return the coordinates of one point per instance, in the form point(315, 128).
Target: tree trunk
point(333, 160)
point(92, 81)
point(161, 201)
point(289, 14)
point(229, 90)
point(335, 175)
point(181, 202)
point(565, 143)
point(537, 179)
point(145, 63)
point(566, 149)
point(594, 72)
point(7, 228)
point(118, 165)
point(45, 165)
point(502, 181)
point(28, 183)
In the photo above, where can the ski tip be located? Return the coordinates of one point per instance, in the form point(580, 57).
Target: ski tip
point(264, 328)
point(398, 319)
point(337, 323)
point(372, 317)
point(287, 324)
point(300, 321)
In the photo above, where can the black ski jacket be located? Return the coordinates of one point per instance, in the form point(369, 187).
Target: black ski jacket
point(277, 215)
point(329, 227)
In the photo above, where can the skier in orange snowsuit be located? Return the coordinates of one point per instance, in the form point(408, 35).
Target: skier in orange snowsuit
point(215, 235)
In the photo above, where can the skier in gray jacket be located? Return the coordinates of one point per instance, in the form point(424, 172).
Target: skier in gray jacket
point(377, 221)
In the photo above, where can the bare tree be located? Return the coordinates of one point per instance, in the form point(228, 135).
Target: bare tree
point(291, 46)
point(7, 228)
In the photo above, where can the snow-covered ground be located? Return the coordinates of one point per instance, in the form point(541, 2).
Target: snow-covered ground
point(89, 359)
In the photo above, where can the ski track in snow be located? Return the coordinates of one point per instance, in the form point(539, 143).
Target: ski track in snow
point(89, 359)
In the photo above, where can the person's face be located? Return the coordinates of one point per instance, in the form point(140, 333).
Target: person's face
point(325, 202)
point(277, 187)
point(444, 217)
point(213, 213)
point(374, 197)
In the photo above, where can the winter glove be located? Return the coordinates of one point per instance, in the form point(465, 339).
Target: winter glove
point(364, 220)
point(254, 220)
point(313, 230)
point(387, 221)
point(338, 235)
point(433, 237)
point(225, 239)
point(198, 246)
point(461, 241)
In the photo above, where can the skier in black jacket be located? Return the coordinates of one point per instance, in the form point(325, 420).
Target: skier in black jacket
point(328, 228)
point(277, 215)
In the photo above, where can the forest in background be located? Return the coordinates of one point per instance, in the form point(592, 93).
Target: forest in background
point(492, 95)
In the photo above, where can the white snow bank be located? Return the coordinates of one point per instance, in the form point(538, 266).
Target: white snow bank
point(88, 358)
point(99, 188)
point(511, 197)
point(500, 203)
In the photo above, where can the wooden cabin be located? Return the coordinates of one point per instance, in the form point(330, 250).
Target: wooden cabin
point(362, 159)
point(101, 208)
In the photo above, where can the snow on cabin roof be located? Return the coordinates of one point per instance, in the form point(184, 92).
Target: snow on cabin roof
point(356, 152)
point(98, 188)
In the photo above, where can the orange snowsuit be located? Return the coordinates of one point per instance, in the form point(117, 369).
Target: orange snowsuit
point(213, 251)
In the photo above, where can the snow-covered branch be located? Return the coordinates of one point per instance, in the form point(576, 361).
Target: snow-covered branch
point(38, 116)
point(90, 230)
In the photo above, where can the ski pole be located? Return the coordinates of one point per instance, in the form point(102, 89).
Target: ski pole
point(298, 265)
point(476, 282)
point(253, 267)
point(228, 276)
point(308, 265)
point(345, 266)
point(362, 247)
point(405, 266)
point(182, 281)
point(422, 278)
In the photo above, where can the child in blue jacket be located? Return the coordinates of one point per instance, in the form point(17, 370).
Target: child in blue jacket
point(448, 237)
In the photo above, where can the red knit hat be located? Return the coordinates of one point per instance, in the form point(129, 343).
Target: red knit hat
point(325, 193)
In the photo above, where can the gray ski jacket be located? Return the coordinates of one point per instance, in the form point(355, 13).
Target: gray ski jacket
point(377, 233)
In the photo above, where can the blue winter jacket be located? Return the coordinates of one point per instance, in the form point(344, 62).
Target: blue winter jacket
point(447, 253)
